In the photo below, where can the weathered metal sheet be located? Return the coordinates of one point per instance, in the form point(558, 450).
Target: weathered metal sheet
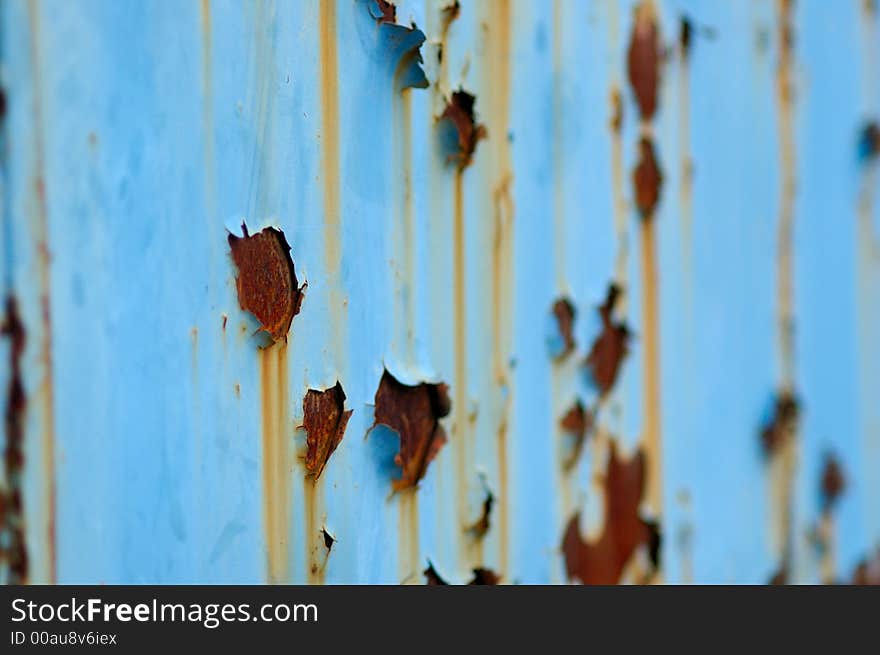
point(162, 430)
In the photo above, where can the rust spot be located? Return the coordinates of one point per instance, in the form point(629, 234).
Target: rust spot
point(266, 281)
point(450, 13)
point(782, 425)
point(459, 112)
point(833, 482)
point(387, 12)
point(647, 179)
point(610, 347)
point(779, 578)
point(414, 413)
point(685, 34)
point(13, 547)
point(485, 576)
point(329, 540)
point(603, 562)
point(868, 570)
point(616, 111)
point(237, 389)
point(481, 526)
point(565, 312)
point(643, 60)
point(324, 420)
point(869, 141)
point(224, 322)
point(578, 421)
point(432, 577)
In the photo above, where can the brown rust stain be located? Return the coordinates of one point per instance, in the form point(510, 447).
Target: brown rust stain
point(414, 413)
point(647, 180)
point(480, 527)
point(459, 111)
point(483, 576)
point(277, 462)
point(387, 12)
point(617, 195)
point(324, 420)
point(564, 312)
point(610, 347)
point(13, 543)
point(643, 59)
point(266, 282)
point(868, 570)
point(432, 577)
point(782, 426)
point(461, 427)
point(832, 484)
point(316, 552)
point(578, 421)
point(623, 532)
point(869, 141)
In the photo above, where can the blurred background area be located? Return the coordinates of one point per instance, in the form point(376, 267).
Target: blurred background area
point(599, 283)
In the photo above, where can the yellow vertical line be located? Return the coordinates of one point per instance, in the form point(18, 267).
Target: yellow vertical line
point(40, 225)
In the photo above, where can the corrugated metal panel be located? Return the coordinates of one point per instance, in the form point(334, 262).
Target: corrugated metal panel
point(160, 437)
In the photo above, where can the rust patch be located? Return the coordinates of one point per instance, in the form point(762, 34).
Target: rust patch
point(647, 179)
point(782, 425)
point(387, 12)
point(565, 313)
point(485, 576)
point(414, 413)
point(610, 347)
point(481, 526)
point(643, 60)
point(13, 546)
point(432, 577)
point(324, 420)
point(833, 482)
point(266, 282)
point(603, 562)
point(616, 111)
point(868, 570)
point(578, 421)
point(869, 141)
point(459, 112)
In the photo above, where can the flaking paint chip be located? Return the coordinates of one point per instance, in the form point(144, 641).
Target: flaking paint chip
point(324, 420)
point(578, 421)
point(602, 562)
point(459, 112)
point(432, 577)
point(266, 282)
point(564, 313)
point(414, 413)
point(647, 179)
point(833, 482)
point(643, 60)
point(610, 347)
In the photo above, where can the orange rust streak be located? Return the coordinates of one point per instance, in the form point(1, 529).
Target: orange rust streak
point(459, 406)
point(499, 67)
point(276, 461)
point(652, 438)
point(330, 160)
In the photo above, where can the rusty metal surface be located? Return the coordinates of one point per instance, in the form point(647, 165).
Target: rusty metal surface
point(592, 291)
